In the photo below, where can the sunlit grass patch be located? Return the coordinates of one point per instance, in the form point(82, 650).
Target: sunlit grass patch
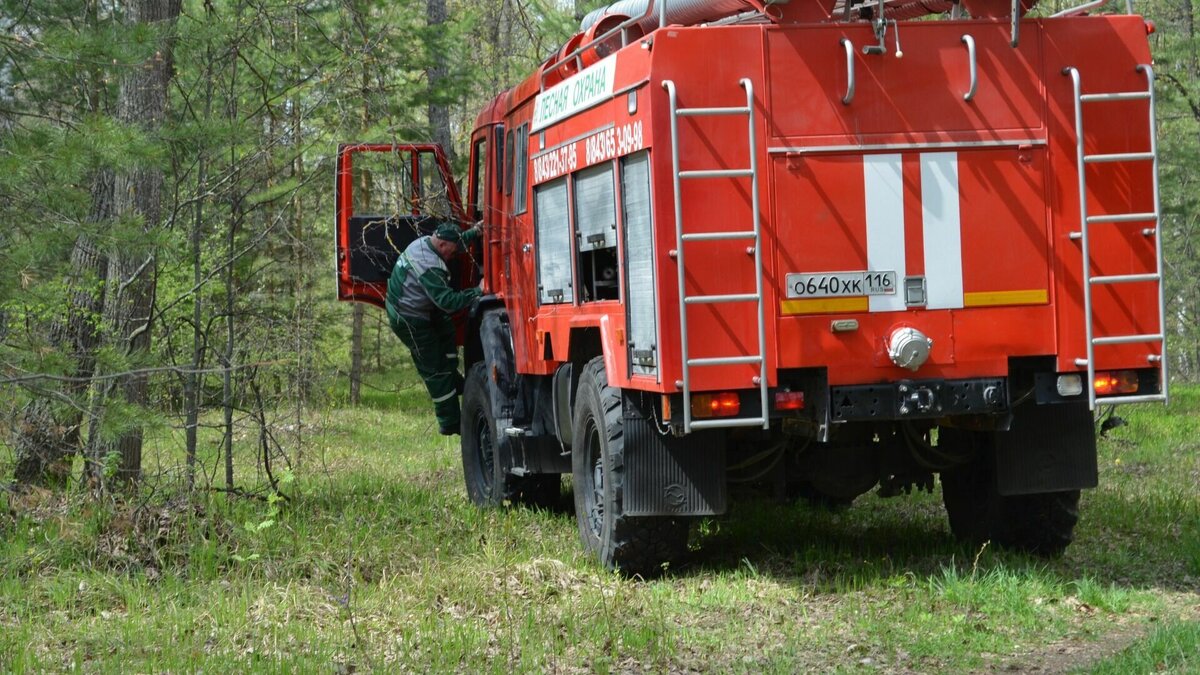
point(1173, 648)
point(376, 560)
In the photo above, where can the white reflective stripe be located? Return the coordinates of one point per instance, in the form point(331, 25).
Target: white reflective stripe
point(883, 177)
point(447, 397)
point(452, 355)
point(942, 230)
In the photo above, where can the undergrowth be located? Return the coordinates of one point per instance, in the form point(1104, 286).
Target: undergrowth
point(370, 557)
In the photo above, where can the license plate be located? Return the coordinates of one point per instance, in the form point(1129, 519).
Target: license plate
point(840, 284)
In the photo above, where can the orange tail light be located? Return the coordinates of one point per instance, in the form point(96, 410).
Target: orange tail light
point(724, 404)
point(1116, 382)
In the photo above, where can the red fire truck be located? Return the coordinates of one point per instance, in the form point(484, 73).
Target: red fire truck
point(811, 244)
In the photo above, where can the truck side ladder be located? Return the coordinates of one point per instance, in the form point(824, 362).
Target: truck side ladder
point(1086, 221)
point(753, 235)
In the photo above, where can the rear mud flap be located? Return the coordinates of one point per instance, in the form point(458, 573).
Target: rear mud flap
point(671, 476)
point(1050, 448)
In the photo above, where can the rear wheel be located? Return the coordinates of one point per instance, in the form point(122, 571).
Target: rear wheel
point(634, 544)
point(488, 482)
point(1042, 524)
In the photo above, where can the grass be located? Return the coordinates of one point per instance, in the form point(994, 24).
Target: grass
point(1171, 648)
point(378, 562)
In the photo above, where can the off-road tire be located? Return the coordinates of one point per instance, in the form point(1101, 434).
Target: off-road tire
point(1042, 524)
point(636, 545)
point(488, 483)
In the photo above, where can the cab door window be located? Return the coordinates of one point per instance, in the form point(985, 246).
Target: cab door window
point(478, 199)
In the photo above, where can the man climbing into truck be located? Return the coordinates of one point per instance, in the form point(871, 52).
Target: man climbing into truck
point(420, 306)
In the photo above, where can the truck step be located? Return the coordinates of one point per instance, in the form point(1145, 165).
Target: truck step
point(717, 173)
point(715, 299)
point(1119, 157)
point(1127, 339)
point(739, 422)
point(711, 112)
point(1123, 218)
point(1147, 398)
point(1124, 278)
point(718, 236)
point(725, 360)
point(1115, 96)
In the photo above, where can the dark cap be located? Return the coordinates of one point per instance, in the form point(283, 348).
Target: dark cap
point(449, 232)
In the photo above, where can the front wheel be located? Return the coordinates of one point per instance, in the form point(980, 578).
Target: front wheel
point(488, 481)
point(633, 544)
point(478, 446)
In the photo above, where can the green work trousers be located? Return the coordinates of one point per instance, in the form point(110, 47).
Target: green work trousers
point(435, 355)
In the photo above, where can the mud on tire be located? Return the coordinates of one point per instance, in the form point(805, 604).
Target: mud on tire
point(633, 544)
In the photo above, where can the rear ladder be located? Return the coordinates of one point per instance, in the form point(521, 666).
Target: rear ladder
point(1086, 221)
point(752, 235)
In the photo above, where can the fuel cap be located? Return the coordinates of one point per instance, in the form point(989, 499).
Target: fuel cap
point(909, 348)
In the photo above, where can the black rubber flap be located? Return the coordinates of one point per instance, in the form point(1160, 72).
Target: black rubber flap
point(1050, 448)
point(670, 476)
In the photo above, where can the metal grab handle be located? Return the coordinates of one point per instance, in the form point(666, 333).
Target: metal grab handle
point(970, 43)
point(849, 71)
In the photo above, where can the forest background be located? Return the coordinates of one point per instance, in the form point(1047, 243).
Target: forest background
point(203, 454)
point(165, 173)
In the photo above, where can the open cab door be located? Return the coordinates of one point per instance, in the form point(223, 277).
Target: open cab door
point(385, 196)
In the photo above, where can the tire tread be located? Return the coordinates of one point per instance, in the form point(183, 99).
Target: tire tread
point(639, 545)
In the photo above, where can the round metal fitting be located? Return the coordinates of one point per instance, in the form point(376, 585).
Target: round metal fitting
point(909, 348)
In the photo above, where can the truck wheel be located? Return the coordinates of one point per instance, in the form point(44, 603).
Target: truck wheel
point(478, 448)
point(633, 544)
point(489, 484)
point(1042, 524)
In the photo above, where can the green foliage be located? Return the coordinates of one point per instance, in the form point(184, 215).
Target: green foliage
point(1177, 61)
point(377, 560)
point(1171, 648)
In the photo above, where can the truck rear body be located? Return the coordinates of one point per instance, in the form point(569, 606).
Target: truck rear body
point(909, 206)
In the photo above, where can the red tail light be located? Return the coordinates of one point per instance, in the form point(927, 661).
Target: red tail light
point(1116, 382)
point(789, 400)
point(724, 404)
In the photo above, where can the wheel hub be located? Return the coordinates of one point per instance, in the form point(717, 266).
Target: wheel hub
point(487, 460)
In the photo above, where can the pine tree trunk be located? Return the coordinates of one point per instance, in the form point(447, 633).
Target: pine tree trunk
point(1189, 32)
point(235, 218)
point(356, 355)
point(300, 300)
point(193, 381)
point(356, 331)
point(438, 111)
point(378, 344)
point(132, 271)
point(46, 438)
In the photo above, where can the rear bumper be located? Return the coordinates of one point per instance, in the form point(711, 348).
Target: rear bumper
point(918, 399)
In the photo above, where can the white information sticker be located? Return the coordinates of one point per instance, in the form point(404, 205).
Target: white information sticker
point(582, 90)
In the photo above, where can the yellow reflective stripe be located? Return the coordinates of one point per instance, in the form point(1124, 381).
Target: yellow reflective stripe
point(824, 305)
point(1036, 296)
